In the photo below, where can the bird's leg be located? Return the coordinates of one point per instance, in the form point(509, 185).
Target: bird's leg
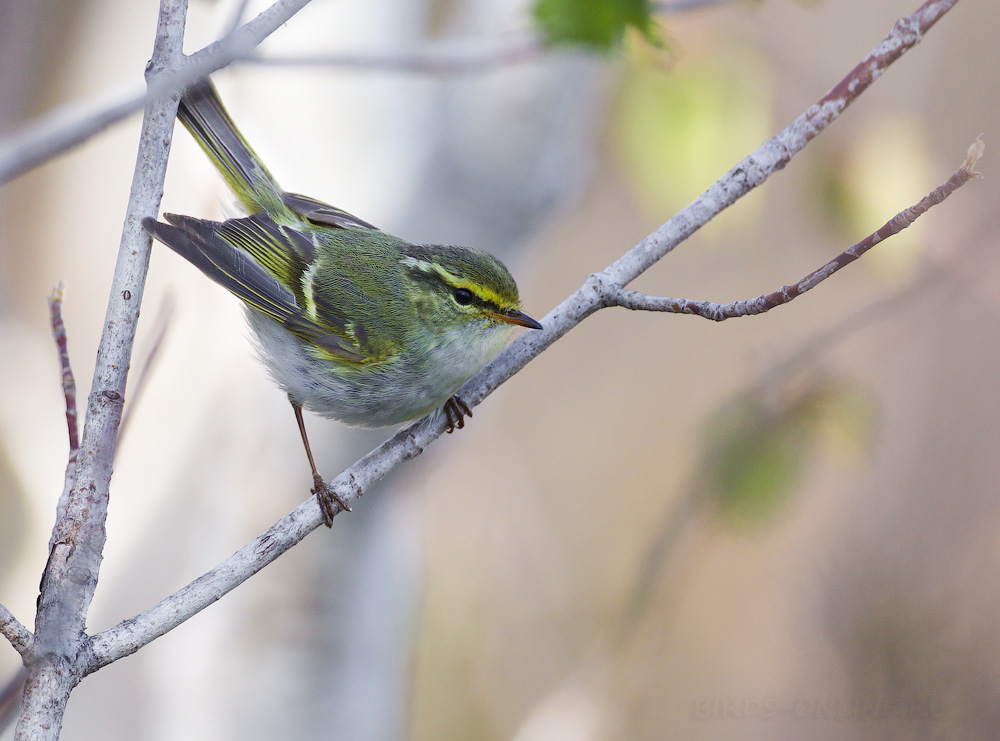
point(325, 495)
point(456, 410)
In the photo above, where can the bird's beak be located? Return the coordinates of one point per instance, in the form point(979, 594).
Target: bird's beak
point(519, 318)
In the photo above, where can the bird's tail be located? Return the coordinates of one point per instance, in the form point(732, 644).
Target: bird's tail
point(202, 113)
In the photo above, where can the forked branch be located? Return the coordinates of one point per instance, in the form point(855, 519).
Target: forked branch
point(618, 296)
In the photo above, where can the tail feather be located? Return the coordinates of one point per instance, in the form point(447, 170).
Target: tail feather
point(202, 113)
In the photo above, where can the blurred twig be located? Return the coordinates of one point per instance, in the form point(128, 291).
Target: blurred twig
point(438, 62)
point(140, 384)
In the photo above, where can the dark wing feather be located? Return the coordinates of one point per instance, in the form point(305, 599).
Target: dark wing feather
point(282, 251)
point(323, 213)
point(204, 244)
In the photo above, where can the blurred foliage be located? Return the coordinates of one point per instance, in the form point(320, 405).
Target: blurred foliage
point(758, 443)
point(599, 24)
point(680, 129)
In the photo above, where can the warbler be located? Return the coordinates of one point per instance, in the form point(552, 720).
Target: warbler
point(353, 323)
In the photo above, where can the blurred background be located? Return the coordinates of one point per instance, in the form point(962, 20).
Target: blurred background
point(777, 527)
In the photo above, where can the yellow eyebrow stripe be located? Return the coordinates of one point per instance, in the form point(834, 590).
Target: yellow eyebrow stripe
point(480, 291)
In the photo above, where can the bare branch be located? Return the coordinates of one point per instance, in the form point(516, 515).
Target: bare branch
point(69, 392)
point(618, 296)
point(71, 574)
point(11, 628)
point(72, 124)
point(132, 634)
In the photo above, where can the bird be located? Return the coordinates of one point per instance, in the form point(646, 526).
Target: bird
point(352, 323)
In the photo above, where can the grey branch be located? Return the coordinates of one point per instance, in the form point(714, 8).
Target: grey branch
point(435, 62)
point(774, 154)
point(615, 295)
point(71, 573)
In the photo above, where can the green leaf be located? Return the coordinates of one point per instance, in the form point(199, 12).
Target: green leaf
point(674, 129)
point(600, 24)
point(755, 461)
point(759, 443)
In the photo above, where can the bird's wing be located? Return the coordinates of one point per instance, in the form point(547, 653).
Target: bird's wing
point(251, 257)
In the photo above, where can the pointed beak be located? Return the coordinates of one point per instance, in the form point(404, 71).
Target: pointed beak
point(519, 318)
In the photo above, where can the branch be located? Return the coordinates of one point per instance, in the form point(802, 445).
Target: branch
point(68, 125)
point(618, 296)
point(11, 628)
point(69, 392)
point(132, 634)
point(70, 576)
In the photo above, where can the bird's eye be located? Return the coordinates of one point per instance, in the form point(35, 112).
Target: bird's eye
point(463, 296)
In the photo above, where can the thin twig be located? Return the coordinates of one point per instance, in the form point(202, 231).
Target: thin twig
point(437, 62)
point(236, 17)
point(132, 634)
point(618, 296)
point(68, 381)
point(140, 384)
point(69, 393)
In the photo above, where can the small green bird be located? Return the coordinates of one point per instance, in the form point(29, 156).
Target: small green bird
point(353, 323)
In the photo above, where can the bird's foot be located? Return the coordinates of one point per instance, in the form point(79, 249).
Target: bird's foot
point(456, 411)
point(330, 503)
